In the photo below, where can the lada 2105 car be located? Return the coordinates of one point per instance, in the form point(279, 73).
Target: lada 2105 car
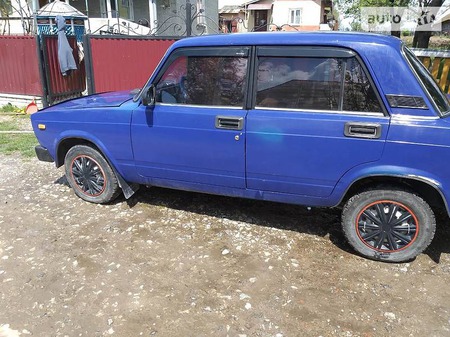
point(318, 119)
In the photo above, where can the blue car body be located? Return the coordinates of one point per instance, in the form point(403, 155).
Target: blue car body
point(301, 156)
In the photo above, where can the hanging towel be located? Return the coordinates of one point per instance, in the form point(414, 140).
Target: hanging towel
point(65, 55)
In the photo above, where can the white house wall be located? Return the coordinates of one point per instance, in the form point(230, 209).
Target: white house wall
point(311, 12)
point(13, 27)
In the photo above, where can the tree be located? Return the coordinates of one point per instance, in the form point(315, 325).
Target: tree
point(20, 7)
point(5, 7)
point(397, 8)
point(422, 38)
point(352, 8)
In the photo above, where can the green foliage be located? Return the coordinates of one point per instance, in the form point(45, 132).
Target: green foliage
point(22, 143)
point(352, 8)
point(5, 7)
point(9, 108)
point(406, 33)
point(356, 26)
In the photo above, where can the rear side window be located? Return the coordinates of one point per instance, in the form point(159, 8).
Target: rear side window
point(204, 80)
point(428, 82)
point(314, 83)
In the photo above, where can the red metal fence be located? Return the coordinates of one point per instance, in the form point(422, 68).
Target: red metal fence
point(122, 63)
point(112, 63)
point(61, 87)
point(19, 66)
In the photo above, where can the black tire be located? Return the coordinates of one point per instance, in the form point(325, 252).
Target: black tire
point(388, 225)
point(90, 175)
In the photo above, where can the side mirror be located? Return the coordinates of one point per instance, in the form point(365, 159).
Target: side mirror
point(148, 97)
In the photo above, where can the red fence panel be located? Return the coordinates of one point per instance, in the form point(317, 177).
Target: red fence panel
point(122, 63)
point(19, 65)
point(61, 87)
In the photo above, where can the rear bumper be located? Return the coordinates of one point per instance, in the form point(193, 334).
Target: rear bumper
point(43, 154)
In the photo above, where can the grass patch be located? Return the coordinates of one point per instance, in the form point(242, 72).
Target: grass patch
point(9, 125)
point(13, 123)
point(22, 143)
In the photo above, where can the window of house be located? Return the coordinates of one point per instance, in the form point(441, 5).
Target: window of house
point(204, 80)
point(295, 16)
point(314, 83)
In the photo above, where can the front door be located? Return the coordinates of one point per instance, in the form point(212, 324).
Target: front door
point(317, 115)
point(194, 135)
point(260, 21)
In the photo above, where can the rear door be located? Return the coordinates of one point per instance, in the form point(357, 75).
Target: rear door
point(195, 132)
point(316, 116)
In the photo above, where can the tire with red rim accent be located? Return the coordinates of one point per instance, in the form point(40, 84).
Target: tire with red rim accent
point(90, 175)
point(388, 225)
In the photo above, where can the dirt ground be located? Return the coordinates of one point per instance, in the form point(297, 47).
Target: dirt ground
point(171, 263)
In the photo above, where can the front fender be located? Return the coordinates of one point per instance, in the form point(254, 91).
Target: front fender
point(85, 136)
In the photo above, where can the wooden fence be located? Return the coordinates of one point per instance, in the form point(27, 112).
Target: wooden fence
point(438, 63)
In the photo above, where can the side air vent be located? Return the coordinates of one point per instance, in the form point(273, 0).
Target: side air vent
point(403, 101)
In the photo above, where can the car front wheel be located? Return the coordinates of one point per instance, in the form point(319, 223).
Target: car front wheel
point(389, 225)
point(90, 175)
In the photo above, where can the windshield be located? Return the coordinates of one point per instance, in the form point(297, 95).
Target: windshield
point(434, 92)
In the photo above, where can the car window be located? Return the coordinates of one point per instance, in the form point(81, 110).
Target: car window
point(359, 94)
point(204, 80)
point(314, 83)
point(429, 83)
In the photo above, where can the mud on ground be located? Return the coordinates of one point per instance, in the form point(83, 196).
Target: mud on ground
point(171, 263)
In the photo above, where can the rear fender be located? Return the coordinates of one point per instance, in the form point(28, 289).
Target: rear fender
point(354, 176)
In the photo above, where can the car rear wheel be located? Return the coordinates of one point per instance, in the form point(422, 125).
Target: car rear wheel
point(90, 175)
point(388, 225)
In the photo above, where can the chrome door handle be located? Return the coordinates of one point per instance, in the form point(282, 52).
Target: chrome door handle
point(229, 122)
point(362, 130)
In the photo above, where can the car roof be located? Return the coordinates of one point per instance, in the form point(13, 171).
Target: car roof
point(348, 39)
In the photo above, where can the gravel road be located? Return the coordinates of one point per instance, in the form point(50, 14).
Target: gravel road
point(171, 263)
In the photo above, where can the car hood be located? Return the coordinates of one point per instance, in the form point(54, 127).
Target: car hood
point(107, 99)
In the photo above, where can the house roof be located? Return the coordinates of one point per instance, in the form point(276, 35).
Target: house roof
point(250, 2)
point(444, 16)
point(230, 10)
point(257, 6)
point(246, 5)
point(59, 8)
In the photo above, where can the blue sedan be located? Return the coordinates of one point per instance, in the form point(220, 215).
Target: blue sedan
point(317, 119)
